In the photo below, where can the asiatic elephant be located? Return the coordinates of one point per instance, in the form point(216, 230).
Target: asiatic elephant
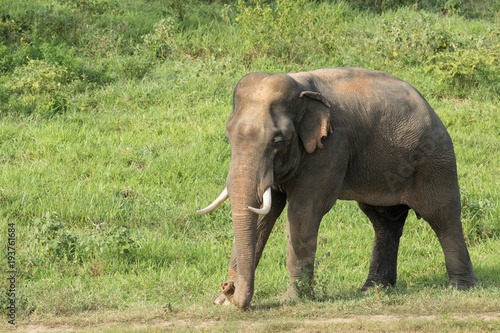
point(304, 140)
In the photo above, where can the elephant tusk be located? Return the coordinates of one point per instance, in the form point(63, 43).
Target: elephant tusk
point(266, 205)
point(220, 199)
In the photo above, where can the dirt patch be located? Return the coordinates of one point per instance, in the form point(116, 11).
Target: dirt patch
point(246, 325)
point(491, 316)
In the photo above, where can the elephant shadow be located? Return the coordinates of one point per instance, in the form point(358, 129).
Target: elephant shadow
point(488, 276)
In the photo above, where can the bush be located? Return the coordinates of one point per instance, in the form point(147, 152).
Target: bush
point(37, 88)
point(416, 39)
point(56, 243)
point(438, 6)
point(468, 67)
point(289, 29)
point(413, 37)
point(161, 41)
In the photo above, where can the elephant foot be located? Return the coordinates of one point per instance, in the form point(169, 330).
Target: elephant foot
point(370, 284)
point(226, 295)
point(462, 284)
point(290, 294)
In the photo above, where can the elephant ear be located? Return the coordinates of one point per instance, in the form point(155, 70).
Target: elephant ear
point(315, 123)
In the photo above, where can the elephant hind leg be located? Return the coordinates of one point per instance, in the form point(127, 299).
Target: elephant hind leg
point(445, 221)
point(388, 223)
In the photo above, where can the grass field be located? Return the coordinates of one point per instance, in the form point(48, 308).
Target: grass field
point(112, 125)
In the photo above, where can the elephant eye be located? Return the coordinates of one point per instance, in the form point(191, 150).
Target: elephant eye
point(278, 141)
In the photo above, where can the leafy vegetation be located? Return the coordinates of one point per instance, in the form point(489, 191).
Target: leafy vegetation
point(112, 132)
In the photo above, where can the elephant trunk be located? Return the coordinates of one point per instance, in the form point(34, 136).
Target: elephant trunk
point(246, 191)
point(245, 235)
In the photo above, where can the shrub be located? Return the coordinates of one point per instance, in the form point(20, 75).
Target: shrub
point(441, 6)
point(161, 41)
point(37, 88)
point(10, 30)
point(288, 29)
point(468, 66)
point(413, 37)
point(56, 243)
point(417, 40)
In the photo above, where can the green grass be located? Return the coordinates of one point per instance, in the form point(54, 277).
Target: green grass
point(112, 125)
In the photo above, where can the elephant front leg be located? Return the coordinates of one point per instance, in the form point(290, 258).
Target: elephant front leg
point(264, 227)
point(301, 236)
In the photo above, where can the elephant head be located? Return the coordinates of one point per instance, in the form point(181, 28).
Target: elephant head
point(275, 120)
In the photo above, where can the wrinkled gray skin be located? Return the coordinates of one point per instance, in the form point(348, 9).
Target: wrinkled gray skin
point(340, 133)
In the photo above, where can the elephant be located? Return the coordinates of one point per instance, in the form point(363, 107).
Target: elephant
point(304, 140)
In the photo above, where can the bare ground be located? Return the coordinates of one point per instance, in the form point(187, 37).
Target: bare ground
point(490, 322)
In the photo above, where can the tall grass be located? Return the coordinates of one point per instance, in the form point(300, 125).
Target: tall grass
point(112, 125)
